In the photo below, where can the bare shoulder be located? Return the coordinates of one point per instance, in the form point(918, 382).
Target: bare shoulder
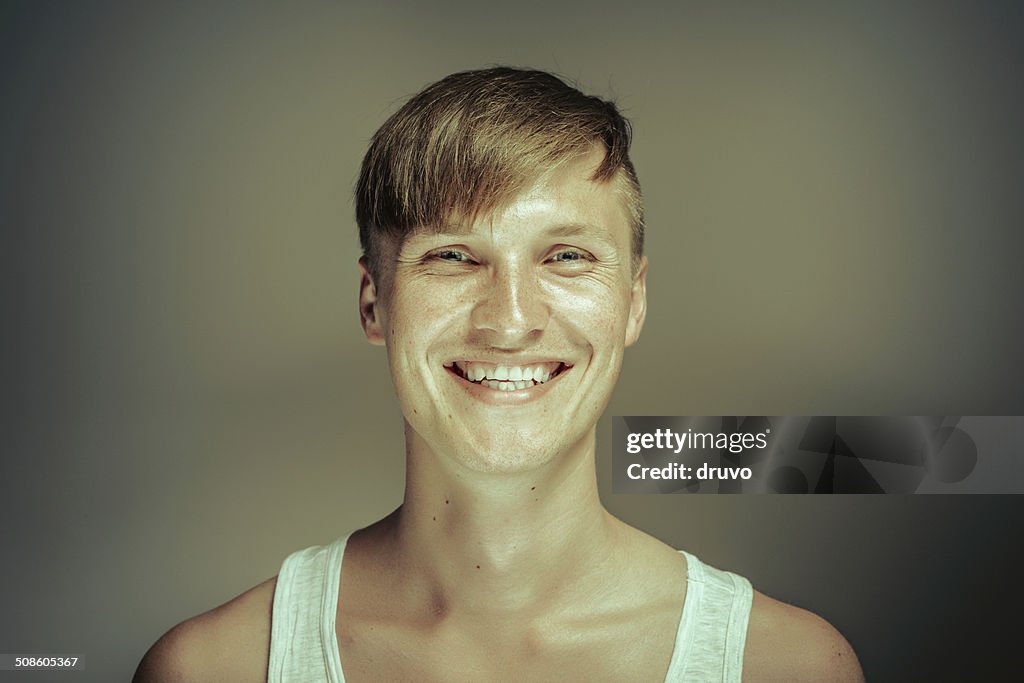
point(230, 642)
point(786, 643)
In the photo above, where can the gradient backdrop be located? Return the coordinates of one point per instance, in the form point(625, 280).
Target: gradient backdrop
point(834, 201)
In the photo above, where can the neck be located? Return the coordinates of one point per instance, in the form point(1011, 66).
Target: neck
point(486, 543)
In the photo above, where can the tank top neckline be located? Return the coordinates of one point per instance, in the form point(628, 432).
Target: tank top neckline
point(328, 622)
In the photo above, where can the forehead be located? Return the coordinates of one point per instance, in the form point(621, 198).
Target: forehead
point(564, 201)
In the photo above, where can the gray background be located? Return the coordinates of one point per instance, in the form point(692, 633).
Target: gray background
point(834, 205)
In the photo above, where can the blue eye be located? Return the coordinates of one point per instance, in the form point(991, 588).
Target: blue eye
point(451, 255)
point(567, 257)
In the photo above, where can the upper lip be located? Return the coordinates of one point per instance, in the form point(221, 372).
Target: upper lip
point(506, 360)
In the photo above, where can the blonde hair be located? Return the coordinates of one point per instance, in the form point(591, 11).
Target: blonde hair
point(471, 142)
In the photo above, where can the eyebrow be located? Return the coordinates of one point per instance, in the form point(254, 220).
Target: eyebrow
point(573, 229)
point(590, 230)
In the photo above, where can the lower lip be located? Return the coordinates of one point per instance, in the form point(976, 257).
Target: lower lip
point(503, 398)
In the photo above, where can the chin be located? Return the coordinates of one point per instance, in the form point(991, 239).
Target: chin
point(506, 458)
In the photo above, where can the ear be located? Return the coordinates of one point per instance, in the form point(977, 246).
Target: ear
point(369, 305)
point(637, 303)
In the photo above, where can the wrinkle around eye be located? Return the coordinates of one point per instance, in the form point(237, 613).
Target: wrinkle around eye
point(586, 262)
point(429, 265)
point(604, 276)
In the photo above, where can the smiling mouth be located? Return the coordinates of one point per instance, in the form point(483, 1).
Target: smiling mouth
point(507, 377)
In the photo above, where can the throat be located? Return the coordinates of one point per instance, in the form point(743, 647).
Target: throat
point(470, 560)
point(499, 538)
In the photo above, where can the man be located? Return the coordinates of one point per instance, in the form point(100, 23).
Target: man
point(502, 229)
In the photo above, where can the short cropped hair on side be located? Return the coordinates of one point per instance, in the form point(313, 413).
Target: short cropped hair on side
point(471, 142)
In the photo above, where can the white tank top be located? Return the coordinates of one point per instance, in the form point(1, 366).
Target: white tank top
point(304, 646)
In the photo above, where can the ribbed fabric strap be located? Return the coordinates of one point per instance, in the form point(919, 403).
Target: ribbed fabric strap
point(303, 645)
point(713, 629)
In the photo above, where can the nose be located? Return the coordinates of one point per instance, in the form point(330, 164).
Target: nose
point(511, 306)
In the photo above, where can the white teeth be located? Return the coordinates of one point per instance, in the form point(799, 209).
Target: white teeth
point(514, 376)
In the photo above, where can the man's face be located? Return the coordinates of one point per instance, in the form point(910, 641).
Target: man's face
point(505, 337)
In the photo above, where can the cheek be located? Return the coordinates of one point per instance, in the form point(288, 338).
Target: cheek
point(419, 317)
point(425, 297)
point(592, 309)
